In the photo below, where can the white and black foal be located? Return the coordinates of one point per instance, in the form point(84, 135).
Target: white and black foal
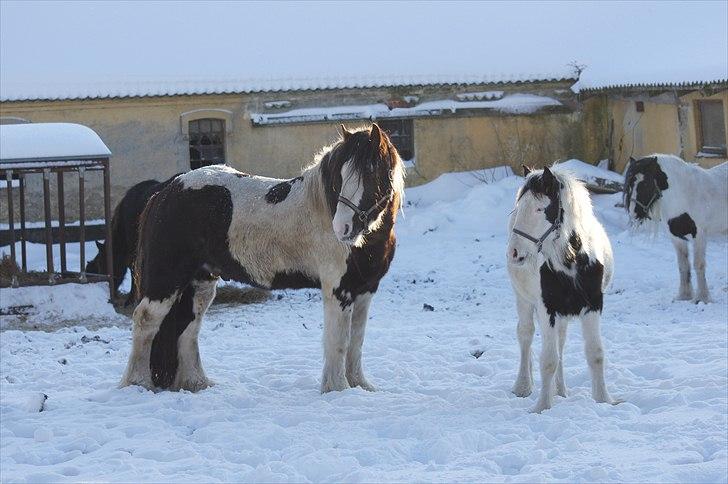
point(691, 201)
point(560, 262)
point(330, 228)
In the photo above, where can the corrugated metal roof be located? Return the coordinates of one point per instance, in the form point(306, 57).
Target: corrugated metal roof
point(148, 88)
point(719, 83)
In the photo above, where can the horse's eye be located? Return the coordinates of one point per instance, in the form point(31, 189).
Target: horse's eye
point(539, 209)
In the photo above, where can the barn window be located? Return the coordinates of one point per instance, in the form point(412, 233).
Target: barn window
point(401, 133)
point(207, 142)
point(711, 128)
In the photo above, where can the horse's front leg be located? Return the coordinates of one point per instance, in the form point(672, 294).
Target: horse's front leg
point(562, 326)
point(337, 327)
point(549, 359)
point(595, 356)
point(354, 371)
point(685, 293)
point(524, 381)
point(701, 242)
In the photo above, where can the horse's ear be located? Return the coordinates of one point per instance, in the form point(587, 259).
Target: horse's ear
point(376, 138)
point(99, 245)
point(631, 160)
point(526, 170)
point(345, 133)
point(549, 180)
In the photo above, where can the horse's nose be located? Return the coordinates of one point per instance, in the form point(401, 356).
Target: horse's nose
point(515, 253)
point(346, 229)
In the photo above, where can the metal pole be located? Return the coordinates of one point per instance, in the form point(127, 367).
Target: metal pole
point(21, 194)
point(49, 233)
point(107, 217)
point(82, 223)
point(62, 221)
point(11, 221)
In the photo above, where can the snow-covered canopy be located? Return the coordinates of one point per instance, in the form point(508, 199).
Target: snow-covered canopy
point(50, 141)
point(511, 104)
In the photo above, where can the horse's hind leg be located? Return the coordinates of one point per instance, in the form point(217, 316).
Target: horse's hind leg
point(190, 375)
point(524, 381)
point(595, 356)
point(147, 317)
point(685, 292)
point(354, 371)
point(560, 382)
point(699, 263)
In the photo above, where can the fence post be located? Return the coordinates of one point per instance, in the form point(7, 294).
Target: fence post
point(49, 232)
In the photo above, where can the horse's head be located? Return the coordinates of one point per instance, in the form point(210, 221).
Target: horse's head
point(643, 186)
point(537, 216)
point(363, 176)
point(98, 264)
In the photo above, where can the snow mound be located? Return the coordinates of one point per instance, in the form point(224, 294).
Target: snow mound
point(596, 178)
point(50, 305)
point(454, 186)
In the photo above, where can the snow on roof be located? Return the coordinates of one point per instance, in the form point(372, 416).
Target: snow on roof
point(672, 77)
point(512, 104)
point(12, 91)
point(50, 141)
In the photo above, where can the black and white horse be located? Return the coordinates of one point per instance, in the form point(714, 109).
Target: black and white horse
point(124, 231)
point(560, 262)
point(330, 228)
point(691, 201)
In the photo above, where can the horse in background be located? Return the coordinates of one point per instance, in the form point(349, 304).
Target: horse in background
point(560, 262)
point(331, 228)
point(690, 201)
point(124, 234)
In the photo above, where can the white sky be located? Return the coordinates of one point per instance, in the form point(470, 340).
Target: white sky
point(49, 42)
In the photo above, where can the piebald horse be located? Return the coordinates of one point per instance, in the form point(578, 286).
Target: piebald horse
point(560, 262)
point(330, 228)
point(690, 201)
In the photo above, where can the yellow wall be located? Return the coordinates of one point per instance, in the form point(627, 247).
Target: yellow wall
point(460, 144)
point(659, 129)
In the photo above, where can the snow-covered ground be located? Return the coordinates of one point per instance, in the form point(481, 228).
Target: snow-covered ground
point(440, 413)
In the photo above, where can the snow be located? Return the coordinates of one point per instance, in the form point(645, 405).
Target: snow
point(590, 173)
point(35, 141)
point(439, 414)
point(511, 104)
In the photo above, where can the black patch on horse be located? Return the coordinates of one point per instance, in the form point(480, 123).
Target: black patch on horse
point(279, 192)
point(565, 295)
point(294, 280)
point(682, 226)
point(648, 190)
point(163, 359)
point(185, 233)
point(124, 232)
point(545, 184)
point(366, 265)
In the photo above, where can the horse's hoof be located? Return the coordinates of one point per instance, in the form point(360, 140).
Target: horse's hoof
point(363, 384)
point(705, 299)
point(522, 390)
point(331, 386)
point(539, 408)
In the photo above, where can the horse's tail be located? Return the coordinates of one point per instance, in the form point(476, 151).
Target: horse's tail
point(163, 358)
point(141, 242)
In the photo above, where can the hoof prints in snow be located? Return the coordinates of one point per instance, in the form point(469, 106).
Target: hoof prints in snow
point(440, 413)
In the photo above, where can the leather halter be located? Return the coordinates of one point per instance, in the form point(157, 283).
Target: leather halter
point(539, 242)
point(647, 206)
point(363, 214)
